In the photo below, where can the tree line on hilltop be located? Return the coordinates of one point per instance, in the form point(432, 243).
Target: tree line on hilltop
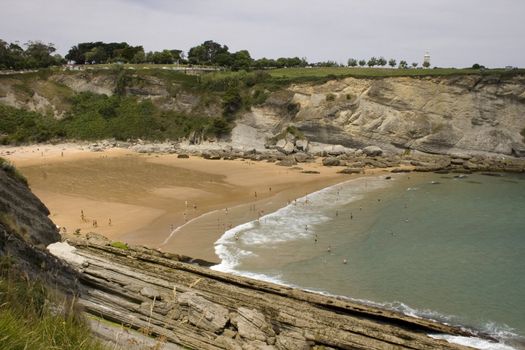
point(208, 53)
point(35, 54)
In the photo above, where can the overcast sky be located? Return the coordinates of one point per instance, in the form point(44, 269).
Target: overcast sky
point(456, 32)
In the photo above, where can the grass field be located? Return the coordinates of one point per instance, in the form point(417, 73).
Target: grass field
point(291, 73)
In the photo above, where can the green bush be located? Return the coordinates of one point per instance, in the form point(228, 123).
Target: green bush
point(330, 97)
point(120, 245)
point(294, 131)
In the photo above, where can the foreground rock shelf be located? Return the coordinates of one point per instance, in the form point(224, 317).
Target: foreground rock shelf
point(199, 308)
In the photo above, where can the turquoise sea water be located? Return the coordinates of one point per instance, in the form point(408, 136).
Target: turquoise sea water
point(438, 246)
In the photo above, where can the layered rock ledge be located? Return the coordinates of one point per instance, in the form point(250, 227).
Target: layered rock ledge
point(199, 308)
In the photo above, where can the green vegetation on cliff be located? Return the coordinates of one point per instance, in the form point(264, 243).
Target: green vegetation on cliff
point(95, 117)
point(32, 317)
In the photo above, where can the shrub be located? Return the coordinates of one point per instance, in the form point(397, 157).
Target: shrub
point(231, 102)
point(292, 129)
point(120, 245)
point(330, 97)
point(293, 108)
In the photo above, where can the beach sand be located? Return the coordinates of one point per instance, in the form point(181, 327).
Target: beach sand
point(161, 201)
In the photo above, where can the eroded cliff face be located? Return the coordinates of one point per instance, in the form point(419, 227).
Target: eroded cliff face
point(435, 115)
point(26, 230)
point(469, 113)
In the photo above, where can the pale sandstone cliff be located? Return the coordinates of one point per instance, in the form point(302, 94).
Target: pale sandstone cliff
point(433, 114)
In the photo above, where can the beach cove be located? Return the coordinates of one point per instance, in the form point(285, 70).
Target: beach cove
point(181, 205)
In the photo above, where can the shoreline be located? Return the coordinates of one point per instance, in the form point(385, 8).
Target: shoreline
point(192, 238)
point(158, 209)
point(206, 184)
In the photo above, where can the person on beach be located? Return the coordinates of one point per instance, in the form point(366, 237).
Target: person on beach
point(345, 261)
point(329, 249)
point(255, 194)
point(82, 217)
point(351, 216)
point(95, 224)
point(109, 222)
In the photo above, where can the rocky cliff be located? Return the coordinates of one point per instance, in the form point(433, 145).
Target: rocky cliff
point(26, 230)
point(469, 113)
point(472, 114)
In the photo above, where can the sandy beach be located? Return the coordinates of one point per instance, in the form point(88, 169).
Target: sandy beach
point(161, 201)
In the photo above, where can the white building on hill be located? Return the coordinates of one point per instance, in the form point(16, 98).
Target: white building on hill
point(426, 59)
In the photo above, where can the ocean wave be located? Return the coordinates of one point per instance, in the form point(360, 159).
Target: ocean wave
point(292, 222)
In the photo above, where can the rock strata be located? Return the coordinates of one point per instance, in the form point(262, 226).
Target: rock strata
point(199, 308)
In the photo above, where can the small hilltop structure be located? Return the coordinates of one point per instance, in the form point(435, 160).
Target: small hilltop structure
point(426, 60)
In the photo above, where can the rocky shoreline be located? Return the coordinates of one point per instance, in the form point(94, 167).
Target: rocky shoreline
point(291, 151)
point(190, 305)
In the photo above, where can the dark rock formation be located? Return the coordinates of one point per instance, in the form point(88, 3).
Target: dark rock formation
point(25, 230)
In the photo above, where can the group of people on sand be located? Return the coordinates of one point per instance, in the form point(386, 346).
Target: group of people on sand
point(94, 222)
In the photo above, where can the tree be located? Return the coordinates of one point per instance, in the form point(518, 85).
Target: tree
point(162, 57)
point(392, 62)
point(414, 64)
point(372, 62)
point(112, 52)
point(38, 54)
point(352, 62)
point(206, 53)
point(381, 61)
point(403, 64)
point(362, 63)
point(96, 55)
point(426, 64)
point(139, 57)
point(478, 66)
point(241, 60)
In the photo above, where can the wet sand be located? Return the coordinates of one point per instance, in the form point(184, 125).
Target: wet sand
point(177, 205)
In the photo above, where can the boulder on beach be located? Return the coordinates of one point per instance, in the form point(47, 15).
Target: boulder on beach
point(372, 151)
point(350, 171)
point(331, 161)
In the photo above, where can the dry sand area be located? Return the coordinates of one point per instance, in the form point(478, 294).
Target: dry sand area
point(177, 205)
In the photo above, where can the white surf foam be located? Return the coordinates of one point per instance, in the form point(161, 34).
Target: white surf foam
point(292, 222)
point(473, 342)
